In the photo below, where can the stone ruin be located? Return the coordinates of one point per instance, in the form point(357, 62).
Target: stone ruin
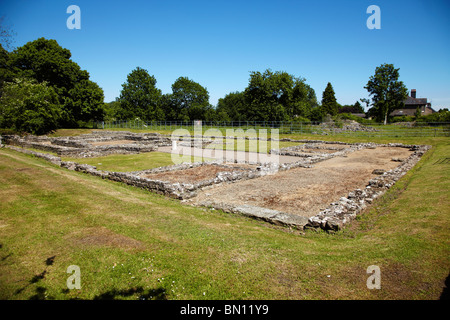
point(333, 218)
point(95, 144)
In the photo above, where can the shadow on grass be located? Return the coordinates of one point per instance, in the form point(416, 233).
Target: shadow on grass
point(116, 294)
point(155, 294)
point(40, 291)
point(445, 295)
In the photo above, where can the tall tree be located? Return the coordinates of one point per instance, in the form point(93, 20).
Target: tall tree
point(329, 103)
point(386, 91)
point(85, 100)
point(46, 61)
point(189, 100)
point(276, 96)
point(139, 97)
point(232, 107)
point(5, 73)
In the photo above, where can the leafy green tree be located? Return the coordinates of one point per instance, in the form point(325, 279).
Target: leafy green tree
point(111, 110)
point(272, 96)
point(5, 72)
point(358, 107)
point(85, 100)
point(46, 61)
point(386, 91)
point(355, 108)
point(28, 106)
point(264, 96)
point(329, 103)
point(139, 97)
point(166, 104)
point(189, 101)
point(316, 114)
point(232, 107)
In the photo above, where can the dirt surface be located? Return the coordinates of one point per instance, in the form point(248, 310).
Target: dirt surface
point(191, 175)
point(240, 156)
point(306, 191)
point(100, 236)
point(112, 142)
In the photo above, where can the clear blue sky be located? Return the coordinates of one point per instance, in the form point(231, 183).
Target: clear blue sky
point(217, 43)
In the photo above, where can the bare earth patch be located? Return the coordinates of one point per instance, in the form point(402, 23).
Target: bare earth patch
point(101, 236)
point(306, 191)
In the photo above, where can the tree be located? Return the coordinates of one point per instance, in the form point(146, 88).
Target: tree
point(316, 115)
point(355, 108)
point(232, 107)
point(139, 97)
point(189, 101)
point(46, 61)
point(386, 91)
point(86, 101)
point(5, 73)
point(358, 107)
point(111, 110)
point(272, 96)
point(329, 103)
point(28, 106)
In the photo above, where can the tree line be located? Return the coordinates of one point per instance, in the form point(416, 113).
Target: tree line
point(42, 89)
point(269, 96)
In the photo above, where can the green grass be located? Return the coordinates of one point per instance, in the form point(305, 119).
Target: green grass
point(148, 160)
point(131, 162)
point(132, 244)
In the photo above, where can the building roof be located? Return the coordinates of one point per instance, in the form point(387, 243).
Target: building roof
point(408, 111)
point(415, 101)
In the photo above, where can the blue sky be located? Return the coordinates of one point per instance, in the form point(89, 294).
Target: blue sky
point(218, 43)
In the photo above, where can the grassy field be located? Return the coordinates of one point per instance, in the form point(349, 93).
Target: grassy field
point(131, 162)
point(132, 244)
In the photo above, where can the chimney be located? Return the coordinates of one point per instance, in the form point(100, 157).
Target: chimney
point(413, 93)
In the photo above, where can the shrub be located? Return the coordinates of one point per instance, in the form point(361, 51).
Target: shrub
point(301, 119)
point(403, 119)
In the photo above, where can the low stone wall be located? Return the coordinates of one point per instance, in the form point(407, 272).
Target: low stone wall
point(99, 151)
point(32, 142)
point(46, 156)
point(268, 215)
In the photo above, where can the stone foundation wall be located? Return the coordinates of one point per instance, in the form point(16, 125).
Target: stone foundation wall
point(81, 146)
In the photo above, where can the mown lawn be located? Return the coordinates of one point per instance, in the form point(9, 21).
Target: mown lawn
point(132, 244)
point(131, 162)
